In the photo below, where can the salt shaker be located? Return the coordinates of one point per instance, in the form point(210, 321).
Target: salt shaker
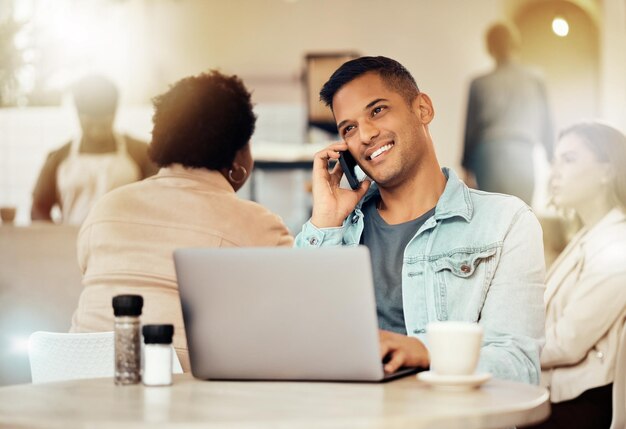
point(157, 369)
point(127, 309)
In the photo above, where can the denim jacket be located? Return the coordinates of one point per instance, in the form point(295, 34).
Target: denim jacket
point(479, 258)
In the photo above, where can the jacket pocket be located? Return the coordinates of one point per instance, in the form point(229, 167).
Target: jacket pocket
point(462, 278)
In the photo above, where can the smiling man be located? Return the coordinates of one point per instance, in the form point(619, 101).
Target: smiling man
point(440, 251)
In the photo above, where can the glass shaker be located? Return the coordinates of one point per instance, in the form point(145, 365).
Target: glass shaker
point(157, 356)
point(127, 309)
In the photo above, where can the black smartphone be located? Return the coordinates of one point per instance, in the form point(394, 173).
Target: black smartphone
point(348, 163)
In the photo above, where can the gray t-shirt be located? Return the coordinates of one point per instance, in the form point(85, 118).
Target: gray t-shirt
point(386, 244)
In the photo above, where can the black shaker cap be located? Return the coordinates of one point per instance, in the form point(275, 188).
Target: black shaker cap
point(127, 305)
point(157, 334)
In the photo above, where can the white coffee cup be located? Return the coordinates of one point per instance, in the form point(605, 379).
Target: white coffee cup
point(454, 347)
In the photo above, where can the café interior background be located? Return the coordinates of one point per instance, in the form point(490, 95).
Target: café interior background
point(145, 45)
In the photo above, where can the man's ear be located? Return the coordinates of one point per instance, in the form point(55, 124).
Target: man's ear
point(423, 108)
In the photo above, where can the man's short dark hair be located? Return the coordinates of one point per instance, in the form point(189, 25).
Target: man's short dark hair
point(393, 74)
point(95, 95)
point(202, 122)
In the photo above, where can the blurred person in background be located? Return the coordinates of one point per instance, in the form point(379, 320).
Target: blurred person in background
point(74, 176)
point(586, 287)
point(507, 115)
point(200, 139)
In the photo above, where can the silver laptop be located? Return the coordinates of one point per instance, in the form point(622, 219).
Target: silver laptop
point(280, 314)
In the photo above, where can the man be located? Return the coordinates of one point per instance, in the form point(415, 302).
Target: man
point(440, 251)
point(507, 115)
point(77, 174)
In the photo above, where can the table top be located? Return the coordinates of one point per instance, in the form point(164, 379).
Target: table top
point(406, 402)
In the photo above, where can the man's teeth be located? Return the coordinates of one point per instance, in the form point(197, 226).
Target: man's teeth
point(385, 148)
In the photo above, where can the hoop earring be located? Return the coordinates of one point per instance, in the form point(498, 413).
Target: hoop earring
point(243, 177)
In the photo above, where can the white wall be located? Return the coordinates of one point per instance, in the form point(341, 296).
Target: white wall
point(265, 41)
point(613, 61)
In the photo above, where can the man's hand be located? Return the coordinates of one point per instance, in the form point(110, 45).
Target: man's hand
point(402, 351)
point(331, 204)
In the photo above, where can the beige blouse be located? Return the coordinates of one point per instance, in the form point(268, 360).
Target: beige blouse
point(585, 309)
point(126, 243)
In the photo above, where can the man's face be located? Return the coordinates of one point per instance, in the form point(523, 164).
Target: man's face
point(385, 134)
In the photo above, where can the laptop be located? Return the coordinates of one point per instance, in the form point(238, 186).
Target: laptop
point(281, 314)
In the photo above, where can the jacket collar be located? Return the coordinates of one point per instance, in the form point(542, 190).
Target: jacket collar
point(571, 256)
point(616, 215)
point(195, 176)
point(454, 201)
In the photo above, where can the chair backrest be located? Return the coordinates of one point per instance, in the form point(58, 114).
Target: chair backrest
point(619, 385)
point(58, 356)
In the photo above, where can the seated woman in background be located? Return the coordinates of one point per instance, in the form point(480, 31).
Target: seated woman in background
point(586, 287)
point(200, 139)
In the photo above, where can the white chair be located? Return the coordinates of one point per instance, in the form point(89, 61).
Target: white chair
point(61, 356)
point(619, 385)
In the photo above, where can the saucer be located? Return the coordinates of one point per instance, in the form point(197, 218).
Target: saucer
point(453, 382)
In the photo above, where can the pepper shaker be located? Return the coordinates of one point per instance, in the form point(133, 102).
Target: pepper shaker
point(127, 309)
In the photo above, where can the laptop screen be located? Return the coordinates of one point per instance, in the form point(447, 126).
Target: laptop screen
point(279, 313)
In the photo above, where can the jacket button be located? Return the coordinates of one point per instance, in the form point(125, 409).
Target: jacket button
point(313, 241)
point(465, 268)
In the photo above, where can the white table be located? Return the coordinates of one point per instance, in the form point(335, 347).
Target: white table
point(188, 402)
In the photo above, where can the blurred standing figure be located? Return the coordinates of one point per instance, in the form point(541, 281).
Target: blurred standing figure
point(586, 287)
point(507, 114)
point(77, 174)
